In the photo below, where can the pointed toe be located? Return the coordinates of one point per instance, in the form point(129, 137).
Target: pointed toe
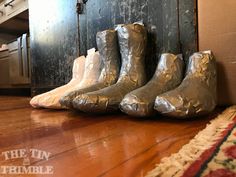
point(164, 106)
point(66, 101)
point(133, 106)
point(86, 103)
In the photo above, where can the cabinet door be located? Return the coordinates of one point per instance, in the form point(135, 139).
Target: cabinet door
point(54, 42)
point(19, 62)
point(16, 70)
point(4, 71)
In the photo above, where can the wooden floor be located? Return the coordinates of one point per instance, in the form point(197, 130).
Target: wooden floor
point(87, 145)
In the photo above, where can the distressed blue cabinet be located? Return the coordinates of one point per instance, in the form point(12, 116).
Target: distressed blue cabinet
point(59, 34)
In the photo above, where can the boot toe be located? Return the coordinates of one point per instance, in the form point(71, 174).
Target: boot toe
point(66, 101)
point(162, 105)
point(90, 103)
point(34, 101)
point(50, 101)
point(169, 105)
point(134, 106)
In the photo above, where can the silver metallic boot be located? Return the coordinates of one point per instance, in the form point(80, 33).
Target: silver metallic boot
point(168, 75)
point(196, 95)
point(132, 41)
point(107, 43)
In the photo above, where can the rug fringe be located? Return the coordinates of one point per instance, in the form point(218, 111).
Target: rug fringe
point(174, 165)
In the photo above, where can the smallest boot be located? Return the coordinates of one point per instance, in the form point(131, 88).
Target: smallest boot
point(51, 96)
point(168, 75)
point(86, 74)
point(196, 95)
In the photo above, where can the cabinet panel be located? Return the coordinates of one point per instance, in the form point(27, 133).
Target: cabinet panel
point(14, 64)
point(15, 70)
point(19, 61)
point(4, 71)
point(54, 42)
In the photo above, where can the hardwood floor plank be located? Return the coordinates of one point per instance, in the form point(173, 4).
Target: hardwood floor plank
point(88, 145)
point(110, 152)
point(13, 102)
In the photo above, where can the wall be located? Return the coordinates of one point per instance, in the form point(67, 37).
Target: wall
point(218, 33)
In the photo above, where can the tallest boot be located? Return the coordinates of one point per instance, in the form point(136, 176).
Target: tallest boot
point(132, 40)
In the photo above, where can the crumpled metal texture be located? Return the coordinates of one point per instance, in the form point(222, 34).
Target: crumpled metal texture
point(132, 41)
point(168, 75)
point(107, 43)
point(196, 95)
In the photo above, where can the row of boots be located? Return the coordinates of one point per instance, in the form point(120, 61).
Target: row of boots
point(122, 83)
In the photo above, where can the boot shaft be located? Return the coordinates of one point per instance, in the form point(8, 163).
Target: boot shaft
point(78, 68)
point(202, 69)
point(92, 67)
point(201, 64)
point(107, 43)
point(170, 64)
point(132, 41)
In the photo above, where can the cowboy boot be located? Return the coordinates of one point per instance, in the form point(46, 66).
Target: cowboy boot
point(132, 41)
point(107, 43)
point(196, 95)
point(90, 77)
point(77, 75)
point(168, 75)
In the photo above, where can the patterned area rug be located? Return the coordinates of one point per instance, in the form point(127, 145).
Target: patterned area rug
point(211, 153)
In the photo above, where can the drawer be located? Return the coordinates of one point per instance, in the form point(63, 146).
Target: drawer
point(15, 6)
point(19, 64)
point(14, 65)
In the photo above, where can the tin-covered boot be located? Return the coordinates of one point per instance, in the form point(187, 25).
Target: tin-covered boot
point(132, 41)
point(196, 95)
point(107, 43)
point(168, 75)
